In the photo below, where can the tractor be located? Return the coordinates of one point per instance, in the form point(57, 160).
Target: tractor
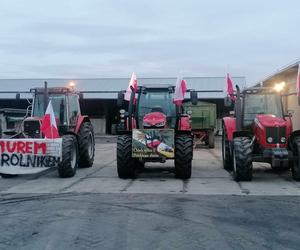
point(154, 129)
point(259, 131)
point(76, 130)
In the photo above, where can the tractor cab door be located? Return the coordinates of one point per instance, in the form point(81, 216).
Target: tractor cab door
point(74, 110)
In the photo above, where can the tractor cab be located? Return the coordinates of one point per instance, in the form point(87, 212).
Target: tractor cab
point(65, 103)
point(258, 102)
point(155, 107)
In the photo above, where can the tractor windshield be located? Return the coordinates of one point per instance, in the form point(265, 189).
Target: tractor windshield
point(254, 104)
point(58, 104)
point(157, 101)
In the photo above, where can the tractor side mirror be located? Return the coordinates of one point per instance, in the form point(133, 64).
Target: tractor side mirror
point(227, 101)
point(290, 113)
point(194, 97)
point(120, 100)
point(18, 96)
point(80, 96)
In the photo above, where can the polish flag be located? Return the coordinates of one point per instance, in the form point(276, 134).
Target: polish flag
point(133, 83)
point(298, 81)
point(49, 127)
point(180, 90)
point(230, 87)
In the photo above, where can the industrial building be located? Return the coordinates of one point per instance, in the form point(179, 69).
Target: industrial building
point(102, 107)
point(287, 76)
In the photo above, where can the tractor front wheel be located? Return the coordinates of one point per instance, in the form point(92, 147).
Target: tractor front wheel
point(86, 143)
point(183, 156)
point(68, 166)
point(242, 159)
point(125, 162)
point(227, 158)
point(296, 162)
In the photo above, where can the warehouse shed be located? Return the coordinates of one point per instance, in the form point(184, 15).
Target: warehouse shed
point(288, 76)
point(102, 106)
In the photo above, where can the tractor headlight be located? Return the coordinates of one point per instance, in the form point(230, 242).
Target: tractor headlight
point(161, 124)
point(269, 139)
point(282, 139)
point(145, 124)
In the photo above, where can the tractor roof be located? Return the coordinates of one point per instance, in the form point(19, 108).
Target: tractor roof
point(157, 86)
point(54, 90)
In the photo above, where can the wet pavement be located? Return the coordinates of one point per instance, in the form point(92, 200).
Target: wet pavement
point(97, 210)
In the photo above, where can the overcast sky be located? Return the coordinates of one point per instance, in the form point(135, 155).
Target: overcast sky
point(93, 38)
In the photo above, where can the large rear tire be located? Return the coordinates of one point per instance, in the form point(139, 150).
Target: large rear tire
point(68, 166)
point(296, 162)
point(183, 156)
point(242, 159)
point(86, 142)
point(211, 139)
point(125, 162)
point(227, 158)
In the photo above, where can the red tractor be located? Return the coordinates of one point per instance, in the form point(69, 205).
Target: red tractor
point(76, 130)
point(259, 132)
point(153, 130)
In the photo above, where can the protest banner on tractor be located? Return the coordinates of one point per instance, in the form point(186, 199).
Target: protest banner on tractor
point(19, 156)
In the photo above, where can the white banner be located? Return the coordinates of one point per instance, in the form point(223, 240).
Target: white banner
point(27, 156)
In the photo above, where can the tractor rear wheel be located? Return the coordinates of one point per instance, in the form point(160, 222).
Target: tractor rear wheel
point(296, 162)
point(68, 166)
point(183, 156)
point(125, 162)
point(86, 143)
point(242, 159)
point(211, 139)
point(227, 158)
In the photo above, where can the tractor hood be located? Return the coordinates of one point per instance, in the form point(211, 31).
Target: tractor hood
point(270, 121)
point(156, 119)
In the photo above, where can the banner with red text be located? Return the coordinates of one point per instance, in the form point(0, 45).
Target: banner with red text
point(27, 156)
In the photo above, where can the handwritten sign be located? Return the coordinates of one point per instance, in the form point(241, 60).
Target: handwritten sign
point(22, 156)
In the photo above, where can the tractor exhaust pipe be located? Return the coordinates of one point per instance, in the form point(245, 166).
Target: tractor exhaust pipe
point(238, 109)
point(46, 97)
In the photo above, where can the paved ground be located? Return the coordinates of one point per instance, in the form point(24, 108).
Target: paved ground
point(96, 210)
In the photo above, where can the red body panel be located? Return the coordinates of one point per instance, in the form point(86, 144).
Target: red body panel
point(184, 124)
point(260, 124)
point(154, 118)
point(80, 120)
point(230, 126)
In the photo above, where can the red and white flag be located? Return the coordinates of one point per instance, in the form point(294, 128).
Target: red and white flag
point(230, 87)
point(298, 81)
point(49, 127)
point(180, 90)
point(133, 83)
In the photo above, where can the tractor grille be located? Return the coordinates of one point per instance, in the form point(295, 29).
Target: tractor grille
point(32, 128)
point(276, 133)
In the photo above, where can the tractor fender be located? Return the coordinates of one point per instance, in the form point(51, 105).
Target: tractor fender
point(81, 119)
point(184, 124)
point(229, 125)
